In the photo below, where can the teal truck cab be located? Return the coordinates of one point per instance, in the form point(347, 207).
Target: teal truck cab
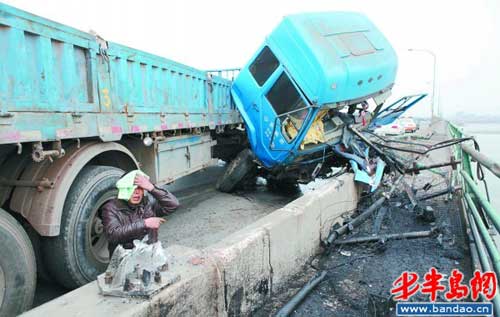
point(314, 75)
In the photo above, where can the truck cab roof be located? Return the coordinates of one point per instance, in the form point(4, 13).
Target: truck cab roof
point(334, 56)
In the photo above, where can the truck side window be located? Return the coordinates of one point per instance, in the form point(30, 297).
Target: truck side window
point(264, 65)
point(285, 99)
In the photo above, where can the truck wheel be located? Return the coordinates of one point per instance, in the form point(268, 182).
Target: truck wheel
point(36, 243)
point(240, 168)
point(80, 252)
point(17, 267)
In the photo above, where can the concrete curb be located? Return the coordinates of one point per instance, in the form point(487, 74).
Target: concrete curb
point(260, 258)
point(239, 272)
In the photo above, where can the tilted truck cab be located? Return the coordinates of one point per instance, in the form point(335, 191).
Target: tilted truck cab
point(293, 93)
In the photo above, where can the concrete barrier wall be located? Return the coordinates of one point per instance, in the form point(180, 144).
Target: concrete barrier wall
point(239, 272)
point(194, 295)
point(260, 258)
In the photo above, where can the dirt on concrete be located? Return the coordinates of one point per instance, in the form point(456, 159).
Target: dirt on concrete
point(206, 215)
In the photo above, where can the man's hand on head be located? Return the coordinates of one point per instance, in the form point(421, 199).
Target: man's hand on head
point(153, 222)
point(143, 182)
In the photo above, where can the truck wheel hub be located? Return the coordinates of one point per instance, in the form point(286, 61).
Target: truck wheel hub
point(96, 238)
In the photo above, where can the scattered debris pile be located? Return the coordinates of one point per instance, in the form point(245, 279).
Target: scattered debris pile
point(139, 272)
point(355, 274)
point(411, 223)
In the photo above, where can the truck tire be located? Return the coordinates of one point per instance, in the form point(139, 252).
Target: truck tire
point(80, 252)
point(17, 267)
point(238, 169)
point(36, 242)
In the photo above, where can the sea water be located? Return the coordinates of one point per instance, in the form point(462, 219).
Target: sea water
point(488, 137)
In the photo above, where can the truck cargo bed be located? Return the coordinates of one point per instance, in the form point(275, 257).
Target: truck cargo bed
point(57, 83)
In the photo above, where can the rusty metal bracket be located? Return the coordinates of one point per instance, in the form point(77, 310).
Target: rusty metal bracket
point(39, 154)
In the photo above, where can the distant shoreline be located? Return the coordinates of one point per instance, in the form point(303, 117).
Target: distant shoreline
point(483, 128)
point(484, 131)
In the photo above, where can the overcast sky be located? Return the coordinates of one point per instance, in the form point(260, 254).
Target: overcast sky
point(464, 35)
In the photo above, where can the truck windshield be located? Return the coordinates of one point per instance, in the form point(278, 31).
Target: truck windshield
point(288, 105)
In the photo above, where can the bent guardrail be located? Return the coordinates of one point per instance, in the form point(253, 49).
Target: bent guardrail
point(481, 218)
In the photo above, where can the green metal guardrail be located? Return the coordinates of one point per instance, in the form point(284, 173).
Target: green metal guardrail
point(480, 215)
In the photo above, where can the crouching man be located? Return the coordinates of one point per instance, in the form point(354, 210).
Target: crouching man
point(133, 214)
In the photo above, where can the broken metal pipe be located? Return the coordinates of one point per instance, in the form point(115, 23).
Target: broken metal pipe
point(391, 236)
point(43, 183)
point(306, 289)
point(362, 217)
point(418, 167)
point(482, 159)
point(438, 193)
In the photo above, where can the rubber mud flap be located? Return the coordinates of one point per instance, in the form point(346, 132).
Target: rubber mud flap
point(236, 171)
point(17, 267)
point(80, 252)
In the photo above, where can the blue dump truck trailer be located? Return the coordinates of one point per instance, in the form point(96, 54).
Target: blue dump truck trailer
point(77, 112)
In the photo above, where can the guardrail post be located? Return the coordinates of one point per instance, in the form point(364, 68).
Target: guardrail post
point(495, 218)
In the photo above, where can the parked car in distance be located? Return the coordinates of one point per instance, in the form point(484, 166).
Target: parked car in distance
point(394, 128)
point(408, 124)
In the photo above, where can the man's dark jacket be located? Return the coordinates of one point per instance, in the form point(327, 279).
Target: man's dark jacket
point(124, 222)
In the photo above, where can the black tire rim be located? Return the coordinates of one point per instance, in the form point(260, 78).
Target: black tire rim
point(96, 238)
point(2, 285)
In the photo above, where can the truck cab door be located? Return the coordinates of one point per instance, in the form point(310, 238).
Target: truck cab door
point(284, 116)
point(272, 106)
